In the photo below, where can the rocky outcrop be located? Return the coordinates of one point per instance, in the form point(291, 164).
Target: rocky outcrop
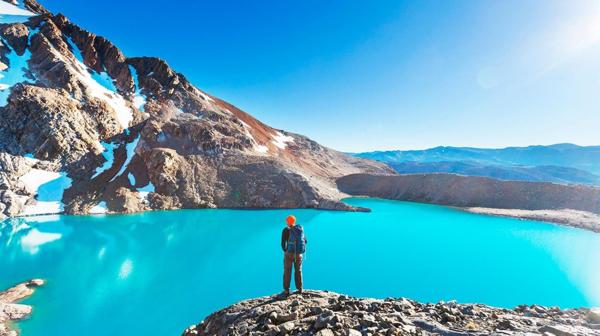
point(136, 135)
point(12, 311)
point(482, 192)
point(330, 314)
point(578, 219)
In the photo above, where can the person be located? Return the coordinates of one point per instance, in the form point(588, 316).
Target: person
point(293, 244)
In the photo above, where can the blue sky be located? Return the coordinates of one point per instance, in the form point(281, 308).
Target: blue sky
point(359, 76)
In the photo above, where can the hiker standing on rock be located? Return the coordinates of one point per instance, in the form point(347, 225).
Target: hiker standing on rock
point(293, 243)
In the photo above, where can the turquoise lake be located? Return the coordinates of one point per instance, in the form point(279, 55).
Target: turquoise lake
point(157, 273)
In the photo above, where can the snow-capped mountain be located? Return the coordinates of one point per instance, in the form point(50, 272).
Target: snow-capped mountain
point(85, 129)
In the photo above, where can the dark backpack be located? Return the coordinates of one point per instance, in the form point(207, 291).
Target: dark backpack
point(296, 242)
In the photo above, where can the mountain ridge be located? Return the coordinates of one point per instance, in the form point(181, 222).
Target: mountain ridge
point(559, 163)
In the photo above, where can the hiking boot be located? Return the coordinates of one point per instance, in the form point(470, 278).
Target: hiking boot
point(299, 292)
point(285, 293)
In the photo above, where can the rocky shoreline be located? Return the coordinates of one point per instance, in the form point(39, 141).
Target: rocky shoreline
point(573, 218)
point(570, 205)
point(10, 310)
point(330, 314)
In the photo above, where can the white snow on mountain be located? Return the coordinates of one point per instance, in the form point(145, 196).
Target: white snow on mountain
point(139, 100)
point(280, 140)
point(130, 149)
point(7, 10)
point(261, 149)
point(99, 209)
point(48, 187)
point(109, 156)
point(15, 72)
point(99, 85)
point(144, 191)
point(131, 179)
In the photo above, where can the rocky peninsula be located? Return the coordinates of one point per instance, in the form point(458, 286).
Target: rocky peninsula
point(10, 310)
point(571, 205)
point(330, 314)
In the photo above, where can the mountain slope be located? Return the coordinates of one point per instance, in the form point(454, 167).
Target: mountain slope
point(84, 129)
point(561, 163)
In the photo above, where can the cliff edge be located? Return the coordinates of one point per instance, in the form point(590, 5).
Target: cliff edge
point(328, 314)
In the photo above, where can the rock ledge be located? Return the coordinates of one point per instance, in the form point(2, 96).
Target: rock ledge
point(328, 314)
point(10, 310)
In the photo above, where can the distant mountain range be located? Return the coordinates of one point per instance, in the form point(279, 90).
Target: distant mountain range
point(560, 163)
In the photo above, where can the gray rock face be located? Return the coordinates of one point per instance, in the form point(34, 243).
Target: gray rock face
point(326, 313)
point(83, 100)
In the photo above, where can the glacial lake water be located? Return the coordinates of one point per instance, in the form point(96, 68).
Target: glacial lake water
point(157, 273)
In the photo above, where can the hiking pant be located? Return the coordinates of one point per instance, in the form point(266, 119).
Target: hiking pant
point(288, 260)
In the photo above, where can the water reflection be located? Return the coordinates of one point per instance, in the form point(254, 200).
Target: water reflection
point(34, 238)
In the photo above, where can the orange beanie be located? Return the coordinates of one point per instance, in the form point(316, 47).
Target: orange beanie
point(290, 220)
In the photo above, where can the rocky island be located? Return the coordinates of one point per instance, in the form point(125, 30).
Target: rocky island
point(329, 314)
point(10, 310)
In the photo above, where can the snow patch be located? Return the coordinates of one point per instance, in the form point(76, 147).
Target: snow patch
point(139, 100)
point(108, 155)
point(30, 159)
point(74, 49)
point(48, 187)
point(99, 209)
point(105, 80)
point(32, 241)
point(144, 191)
point(205, 96)
point(130, 149)
point(131, 179)
point(10, 13)
point(16, 70)
point(99, 85)
point(20, 4)
point(280, 140)
point(257, 148)
point(261, 149)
